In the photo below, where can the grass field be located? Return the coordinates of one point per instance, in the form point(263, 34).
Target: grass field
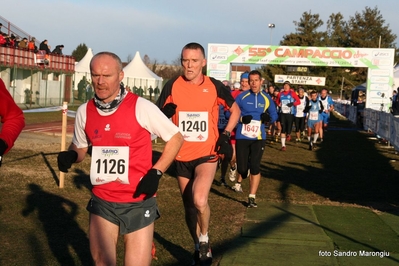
point(42, 224)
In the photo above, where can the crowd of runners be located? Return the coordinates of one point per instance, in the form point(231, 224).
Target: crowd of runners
point(204, 123)
point(307, 113)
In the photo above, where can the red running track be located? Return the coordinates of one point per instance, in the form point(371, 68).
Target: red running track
point(49, 128)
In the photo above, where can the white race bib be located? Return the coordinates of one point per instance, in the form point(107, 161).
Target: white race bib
point(299, 110)
point(194, 126)
point(109, 164)
point(314, 115)
point(251, 130)
point(284, 108)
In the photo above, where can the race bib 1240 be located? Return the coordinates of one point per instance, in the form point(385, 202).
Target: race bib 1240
point(194, 126)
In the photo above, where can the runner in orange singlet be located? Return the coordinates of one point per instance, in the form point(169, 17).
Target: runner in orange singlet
point(192, 101)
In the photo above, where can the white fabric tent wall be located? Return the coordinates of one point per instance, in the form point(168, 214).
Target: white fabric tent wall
point(139, 75)
point(82, 68)
point(396, 77)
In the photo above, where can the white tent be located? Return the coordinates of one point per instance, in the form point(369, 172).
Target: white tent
point(82, 68)
point(137, 74)
point(396, 77)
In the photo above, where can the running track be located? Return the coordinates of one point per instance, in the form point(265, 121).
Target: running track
point(52, 128)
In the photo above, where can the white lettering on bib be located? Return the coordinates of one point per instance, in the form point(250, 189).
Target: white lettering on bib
point(108, 164)
point(251, 130)
point(194, 126)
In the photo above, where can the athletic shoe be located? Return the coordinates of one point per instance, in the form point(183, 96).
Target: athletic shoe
point(205, 254)
point(223, 182)
point(310, 145)
point(233, 173)
point(288, 138)
point(283, 148)
point(276, 138)
point(321, 140)
point(298, 140)
point(237, 187)
point(252, 203)
point(314, 146)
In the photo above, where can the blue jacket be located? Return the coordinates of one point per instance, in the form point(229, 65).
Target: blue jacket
point(327, 101)
point(255, 104)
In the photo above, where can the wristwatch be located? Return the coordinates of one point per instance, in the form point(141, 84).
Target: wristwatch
point(227, 133)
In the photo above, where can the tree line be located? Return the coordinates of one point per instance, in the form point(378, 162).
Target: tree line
point(366, 29)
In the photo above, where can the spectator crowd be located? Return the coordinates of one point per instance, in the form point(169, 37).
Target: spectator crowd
point(11, 40)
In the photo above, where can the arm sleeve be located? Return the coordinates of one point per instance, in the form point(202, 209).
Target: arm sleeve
point(79, 135)
point(12, 118)
point(307, 107)
point(297, 100)
point(278, 98)
point(166, 94)
point(150, 117)
point(272, 110)
point(224, 95)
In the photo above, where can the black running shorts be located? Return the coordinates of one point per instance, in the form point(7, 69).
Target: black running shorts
point(187, 169)
point(249, 152)
point(129, 217)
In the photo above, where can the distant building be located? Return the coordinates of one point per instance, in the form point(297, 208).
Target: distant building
point(236, 72)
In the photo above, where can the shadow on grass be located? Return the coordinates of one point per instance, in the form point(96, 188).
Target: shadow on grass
point(352, 171)
point(51, 169)
point(82, 180)
point(348, 169)
point(58, 218)
point(179, 253)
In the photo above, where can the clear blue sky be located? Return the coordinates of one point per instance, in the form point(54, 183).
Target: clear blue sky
point(160, 28)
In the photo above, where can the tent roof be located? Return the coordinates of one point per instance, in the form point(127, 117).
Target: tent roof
point(137, 69)
point(84, 64)
point(361, 87)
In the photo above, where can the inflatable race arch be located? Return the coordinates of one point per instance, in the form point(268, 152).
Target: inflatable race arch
point(378, 61)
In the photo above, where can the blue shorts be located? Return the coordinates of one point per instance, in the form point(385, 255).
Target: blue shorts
point(325, 117)
point(312, 123)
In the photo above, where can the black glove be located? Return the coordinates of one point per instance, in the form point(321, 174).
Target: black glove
point(169, 109)
point(264, 117)
point(148, 184)
point(65, 160)
point(246, 119)
point(290, 104)
point(223, 146)
point(3, 148)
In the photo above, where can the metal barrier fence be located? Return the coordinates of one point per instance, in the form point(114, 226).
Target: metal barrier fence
point(381, 123)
